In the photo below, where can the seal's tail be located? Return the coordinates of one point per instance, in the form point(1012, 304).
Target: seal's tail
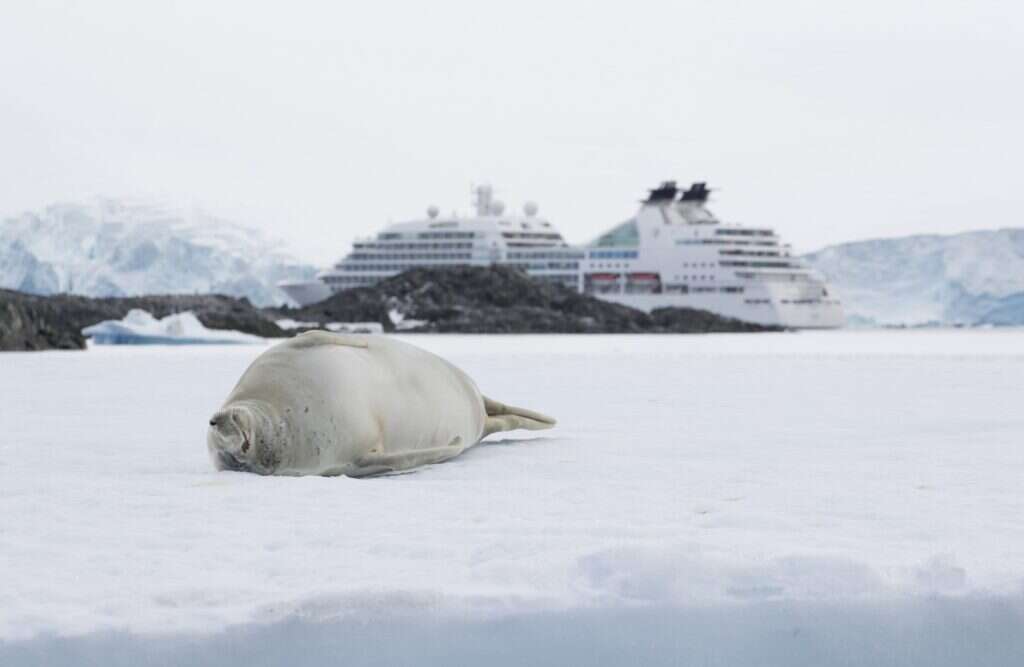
point(501, 417)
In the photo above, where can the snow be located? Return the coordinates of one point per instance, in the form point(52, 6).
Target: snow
point(288, 324)
point(401, 322)
point(139, 327)
point(970, 278)
point(123, 247)
point(355, 327)
point(845, 497)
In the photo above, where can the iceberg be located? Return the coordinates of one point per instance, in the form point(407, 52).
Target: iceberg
point(139, 327)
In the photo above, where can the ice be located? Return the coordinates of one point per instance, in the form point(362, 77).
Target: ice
point(771, 499)
point(139, 327)
point(355, 327)
point(288, 324)
point(969, 278)
point(120, 247)
point(401, 322)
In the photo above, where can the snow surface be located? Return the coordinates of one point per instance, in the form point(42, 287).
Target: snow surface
point(774, 499)
point(970, 278)
point(139, 327)
point(126, 247)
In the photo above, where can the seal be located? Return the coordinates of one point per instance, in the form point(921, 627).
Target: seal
point(344, 404)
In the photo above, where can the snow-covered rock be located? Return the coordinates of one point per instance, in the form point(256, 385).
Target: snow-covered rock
point(403, 323)
point(355, 327)
point(111, 247)
point(288, 324)
point(972, 278)
point(140, 328)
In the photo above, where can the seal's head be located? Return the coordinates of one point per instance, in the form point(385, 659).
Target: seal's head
point(243, 436)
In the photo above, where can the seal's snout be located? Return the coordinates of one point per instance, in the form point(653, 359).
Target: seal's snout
point(229, 439)
point(221, 418)
point(242, 437)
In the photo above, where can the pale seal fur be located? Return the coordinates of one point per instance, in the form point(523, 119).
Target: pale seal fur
point(334, 404)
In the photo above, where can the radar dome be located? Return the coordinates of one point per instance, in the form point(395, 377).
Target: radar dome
point(530, 208)
point(498, 207)
point(432, 212)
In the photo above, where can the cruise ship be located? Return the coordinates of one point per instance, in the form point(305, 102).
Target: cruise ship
point(673, 252)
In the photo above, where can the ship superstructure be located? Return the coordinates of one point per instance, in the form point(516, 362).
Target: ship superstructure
point(673, 252)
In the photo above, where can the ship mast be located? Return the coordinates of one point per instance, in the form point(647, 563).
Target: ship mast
point(483, 198)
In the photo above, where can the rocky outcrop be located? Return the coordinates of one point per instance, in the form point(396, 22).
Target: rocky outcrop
point(446, 300)
point(33, 323)
point(500, 299)
point(29, 322)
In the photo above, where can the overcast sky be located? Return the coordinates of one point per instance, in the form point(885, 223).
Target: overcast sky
point(322, 121)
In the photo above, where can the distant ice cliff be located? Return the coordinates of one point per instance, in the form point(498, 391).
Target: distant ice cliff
point(974, 278)
point(112, 247)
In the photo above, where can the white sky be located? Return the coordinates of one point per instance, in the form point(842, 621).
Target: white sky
point(322, 121)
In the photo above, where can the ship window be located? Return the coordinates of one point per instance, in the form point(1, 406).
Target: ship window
point(625, 234)
point(613, 254)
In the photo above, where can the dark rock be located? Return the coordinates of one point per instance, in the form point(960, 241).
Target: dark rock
point(32, 323)
point(462, 299)
point(701, 321)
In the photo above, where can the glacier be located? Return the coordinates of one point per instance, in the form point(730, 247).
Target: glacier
point(109, 247)
point(970, 279)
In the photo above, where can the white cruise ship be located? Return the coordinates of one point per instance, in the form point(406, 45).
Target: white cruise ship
point(673, 252)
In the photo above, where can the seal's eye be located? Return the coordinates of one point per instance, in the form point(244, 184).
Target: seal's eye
point(213, 422)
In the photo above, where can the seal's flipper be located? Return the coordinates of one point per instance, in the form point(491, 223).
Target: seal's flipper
point(318, 337)
point(375, 464)
point(501, 417)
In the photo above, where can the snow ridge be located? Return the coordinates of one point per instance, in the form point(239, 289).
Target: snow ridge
point(973, 278)
point(121, 247)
